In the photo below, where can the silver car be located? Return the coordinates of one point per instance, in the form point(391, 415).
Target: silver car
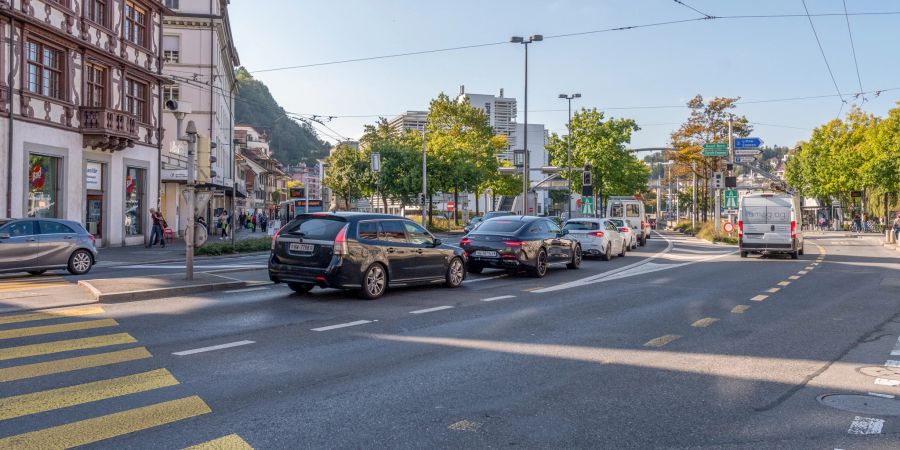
point(38, 245)
point(598, 237)
point(627, 232)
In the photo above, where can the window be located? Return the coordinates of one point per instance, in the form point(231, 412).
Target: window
point(392, 231)
point(582, 226)
point(171, 93)
point(134, 201)
point(314, 228)
point(499, 226)
point(172, 4)
point(44, 70)
point(96, 11)
point(633, 210)
point(172, 49)
point(48, 227)
point(18, 229)
point(551, 227)
point(95, 97)
point(135, 24)
point(136, 98)
point(418, 235)
point(43, 186)
point(368, 231)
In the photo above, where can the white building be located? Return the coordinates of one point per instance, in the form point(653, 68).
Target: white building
point(537, 158)
point(80, 124)
point(199, 60)
point(501, 113)
point(409, 121)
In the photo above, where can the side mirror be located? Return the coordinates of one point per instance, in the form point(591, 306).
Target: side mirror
point(438, 242)
point(565, 232)
point(4, 235)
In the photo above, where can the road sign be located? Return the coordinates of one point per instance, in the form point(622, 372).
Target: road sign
point(715, 152)
point(715, 145)
point(728, 227)
point(745, 159)
point(731, 199)
point(751, 142)
point(587, 205)
point(747, 152)
point(376, 162)
point(451, 206)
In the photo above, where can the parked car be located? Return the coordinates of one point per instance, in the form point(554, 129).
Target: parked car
point(38, 245)
point(770, 223)
point(472, 224)
point(629, 234)
point(518, 243)
point(631, 210)
point(598, 237)
point(365, 252)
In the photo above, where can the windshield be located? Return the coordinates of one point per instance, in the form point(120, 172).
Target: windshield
point(500, 226)
point(618, 223)
point(582, 226)
point(493, 214)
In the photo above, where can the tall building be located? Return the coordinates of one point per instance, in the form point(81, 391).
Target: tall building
point(501, 113)
point(409, 121)
point(199, 60)
point(80, 120)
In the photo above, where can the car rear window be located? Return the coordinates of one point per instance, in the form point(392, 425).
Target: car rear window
point(579, 226)
point(315, 227)
point(617, 222)
point(500, 226)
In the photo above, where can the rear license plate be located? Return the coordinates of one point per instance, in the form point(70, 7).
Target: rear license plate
point(485, 254)
point(302, 248)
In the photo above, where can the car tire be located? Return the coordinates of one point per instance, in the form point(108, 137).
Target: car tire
point(36, 272)
point(795, 255)
point(624, 250)
point(576, 259)
point(540, 264)
point(80, 262)
point(475, 268)
point(456, 273)
point(300, 288)
point(744, 254)
point(374, 282)
point(643, 241)
point(607, 255)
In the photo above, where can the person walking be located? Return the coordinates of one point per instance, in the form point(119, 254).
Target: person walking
point(156, 232)
point(896, 227)
point(223, 225)
point(264, 223)
point(253, 224)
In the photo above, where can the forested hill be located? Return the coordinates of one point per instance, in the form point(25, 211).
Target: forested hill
point(290, 141)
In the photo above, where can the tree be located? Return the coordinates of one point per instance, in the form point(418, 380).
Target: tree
point(502, 185)
point(347, 174)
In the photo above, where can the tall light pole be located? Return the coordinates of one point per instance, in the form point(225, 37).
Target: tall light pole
point(525, 183)
point(569, 150)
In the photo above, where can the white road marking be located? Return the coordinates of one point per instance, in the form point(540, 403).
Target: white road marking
point(486, 278)
point(793, 277)
point(214, 347)
point(235, 291)
point(424, 311)
point(759, 298)
point(803, 272)
point(494, 299)
point(342, 325)
point(773, 290)
point(876, 394)
point(866, 425)
point(716, 252)
point(892, 363)
point(221, 266)
point(886, 382)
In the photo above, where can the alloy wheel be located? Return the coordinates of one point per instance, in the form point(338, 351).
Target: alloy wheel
point(81, 262)
point(375, 281)
point(455, 275)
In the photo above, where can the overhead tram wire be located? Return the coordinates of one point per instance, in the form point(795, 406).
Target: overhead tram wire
point(705, 15)
point(853, 50)
point(824, 58)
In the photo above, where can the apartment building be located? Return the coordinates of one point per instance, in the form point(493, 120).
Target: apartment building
point(501, 114)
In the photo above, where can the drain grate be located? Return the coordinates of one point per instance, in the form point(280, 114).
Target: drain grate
point(862, 404)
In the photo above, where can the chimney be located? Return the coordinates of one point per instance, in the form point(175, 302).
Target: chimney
point(462, 89)
point(501, 92)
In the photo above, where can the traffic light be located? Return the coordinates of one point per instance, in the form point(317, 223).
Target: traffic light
point(204, 159)
point(586, 176)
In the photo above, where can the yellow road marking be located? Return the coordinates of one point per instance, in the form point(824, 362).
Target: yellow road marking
point(662, 340)
point(773, 290)
point(704, 322)
point(759, 298)
point(89, 311)
point(793, 277)
point(784, 283)
point(740, 309)
point(60, 328)
point(97, 429)
point(230, 442)
point(49, 400)
point(72, 364)
point(68, 345)
point(35, 284)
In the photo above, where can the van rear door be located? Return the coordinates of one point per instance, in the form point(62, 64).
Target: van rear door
point(778, 217)
point(753, 215)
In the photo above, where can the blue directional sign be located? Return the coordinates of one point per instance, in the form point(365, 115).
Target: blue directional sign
point(751, 142)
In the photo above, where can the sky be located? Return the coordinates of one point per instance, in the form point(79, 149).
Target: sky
point(645, 74)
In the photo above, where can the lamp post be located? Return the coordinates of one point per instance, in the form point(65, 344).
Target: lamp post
point(569, 150)
point(525, 183)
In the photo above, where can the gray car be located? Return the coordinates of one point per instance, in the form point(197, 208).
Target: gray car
point(38, 245)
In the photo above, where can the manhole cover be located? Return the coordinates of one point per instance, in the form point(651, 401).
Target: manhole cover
point(891, 373)
point(862, 404)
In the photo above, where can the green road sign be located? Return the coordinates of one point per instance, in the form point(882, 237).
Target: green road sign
point(715, 145)
point(587, 205)
point(731, 199)
point(714, 152)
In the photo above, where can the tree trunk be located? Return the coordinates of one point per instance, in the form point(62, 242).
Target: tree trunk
point(384, 200)
point(430, 216)
point(455, 206)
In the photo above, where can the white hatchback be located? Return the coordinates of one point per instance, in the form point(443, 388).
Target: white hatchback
point(598, 237)
point(627, 233)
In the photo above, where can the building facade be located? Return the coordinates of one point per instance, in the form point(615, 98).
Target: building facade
point(80, 104)
point(199, 60)
point(409, 121)
point(501, 114)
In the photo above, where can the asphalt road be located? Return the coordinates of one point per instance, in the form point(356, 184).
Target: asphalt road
point(678, 345)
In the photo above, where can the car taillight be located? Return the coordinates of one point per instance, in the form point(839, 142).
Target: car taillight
point(598, 234)
point(93, 239)
point(740, 228)
point(624, 229)
point(465, 241)
point(793, 229)
point(513, 243)
point(340, 242)
point(275, 238)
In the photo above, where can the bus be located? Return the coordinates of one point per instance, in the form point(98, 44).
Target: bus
point(289, 209)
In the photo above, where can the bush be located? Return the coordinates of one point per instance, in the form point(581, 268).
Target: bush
point(708, 232)
point(262, 244)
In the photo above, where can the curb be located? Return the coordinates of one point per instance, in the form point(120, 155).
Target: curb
point(153, 294)
point(196, 258)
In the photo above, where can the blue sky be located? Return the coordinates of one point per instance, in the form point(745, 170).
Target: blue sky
point(756, 59)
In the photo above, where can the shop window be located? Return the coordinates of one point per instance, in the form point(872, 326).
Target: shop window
point(134, 201)
point(43, 186)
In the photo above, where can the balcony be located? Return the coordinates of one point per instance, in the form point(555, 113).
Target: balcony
point(107, 129)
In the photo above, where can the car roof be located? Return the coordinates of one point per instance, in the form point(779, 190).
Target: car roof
point(355, 216)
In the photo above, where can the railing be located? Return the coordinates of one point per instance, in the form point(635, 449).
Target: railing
point(109, 122)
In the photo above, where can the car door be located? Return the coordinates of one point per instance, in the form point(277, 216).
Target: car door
point(18, 245)
point(56, 242)
point(400, 254)
point(430, 261)
point(560, 247)
point(617, 239)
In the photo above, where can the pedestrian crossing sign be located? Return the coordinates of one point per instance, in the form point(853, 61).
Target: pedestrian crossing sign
point(587, 205)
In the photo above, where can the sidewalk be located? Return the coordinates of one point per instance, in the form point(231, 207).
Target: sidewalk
point(174, 251)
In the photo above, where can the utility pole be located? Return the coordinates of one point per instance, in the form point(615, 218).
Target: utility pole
point(191, 139)
point(569, 151)
point(658, 200)
point(730, 173)
point(525, 183)
point(694, 195)
point(423, 200)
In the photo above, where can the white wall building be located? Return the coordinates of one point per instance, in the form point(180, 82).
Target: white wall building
point(501, 113)
point(409, 121)
point(80, 122)
point(537, 158)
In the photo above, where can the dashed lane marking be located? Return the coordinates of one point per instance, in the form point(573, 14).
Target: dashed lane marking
point(60, 328)
point(494, 299)
point(866, 425)
point(740, 309)
point(46, 315)
point(465, 425)
point(230, 442)
point(48, 348)
point(476, 280)
point(793, 277)
point(429, 310)
point(252, 289)
point(105, 427)
point(759, 298)
point(342, 325)
point(662, 340)
point(49, 400)
point(72, 364)
point(213, 348)
point(803, 272)
point(784, 283)
point(773, 290)
point(704, 322)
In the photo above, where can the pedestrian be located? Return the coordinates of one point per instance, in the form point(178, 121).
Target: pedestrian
point(265, 223)
point(253, 224)
point(156, 232)
point(822, 223)
point(896, 227)
point(223, 225)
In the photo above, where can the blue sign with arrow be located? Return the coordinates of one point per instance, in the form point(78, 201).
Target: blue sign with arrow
point(747, 143)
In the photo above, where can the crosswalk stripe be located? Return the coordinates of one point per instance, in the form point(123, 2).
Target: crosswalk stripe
point(68, 345)
point(230, 442)
point(97, 429)
point(72, 364)
point(89, 311)
point(59, 328)
point(49, 400)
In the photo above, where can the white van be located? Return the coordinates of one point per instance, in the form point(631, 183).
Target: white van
point(632, 211)
point(770, 223)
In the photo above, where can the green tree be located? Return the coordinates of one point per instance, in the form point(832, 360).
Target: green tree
point(882, 143)
point(347, 174)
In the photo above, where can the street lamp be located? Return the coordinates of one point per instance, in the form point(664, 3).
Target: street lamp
point(569, 148)
point(525, 42)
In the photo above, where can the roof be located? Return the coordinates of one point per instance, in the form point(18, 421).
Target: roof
point(358, 215)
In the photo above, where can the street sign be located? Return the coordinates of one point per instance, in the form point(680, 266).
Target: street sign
point(728, 227)
point(376, 162)
point(451, 206)
point(587, 205)
point(716, 145)
point(751, 142)
point(715, 152)
point(746, 159)
point(747, 152)
point(731, 199)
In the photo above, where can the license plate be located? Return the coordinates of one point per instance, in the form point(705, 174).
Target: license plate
point(302, 248)
point(485, 254)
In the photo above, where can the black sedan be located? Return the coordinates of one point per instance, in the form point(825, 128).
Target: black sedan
point(520, 243)
point(365, 252)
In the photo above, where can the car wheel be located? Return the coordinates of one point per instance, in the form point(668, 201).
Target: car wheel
point(540, 268)
point(795, 255)
point(36, 272)
point(576, 259)
point(80, 262)
point(475, 268)
point(643, 241)
point(374, 282)
point(624, 249)
point(300, 288)
point(744, 254)
point(456, 273)
point(607, 255)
